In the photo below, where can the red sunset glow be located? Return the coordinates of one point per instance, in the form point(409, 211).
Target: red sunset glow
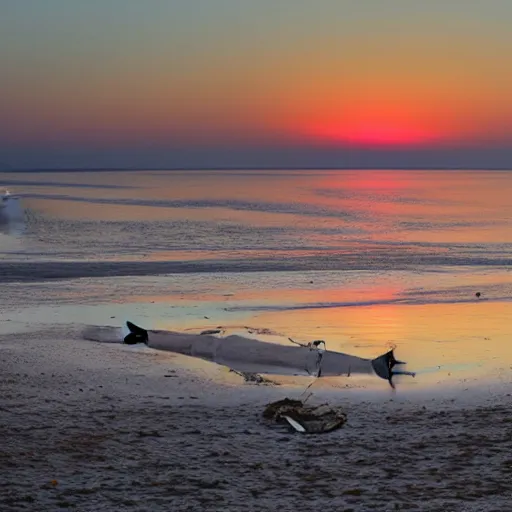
point(373, 135)
point(386, 118)
point(378, 123)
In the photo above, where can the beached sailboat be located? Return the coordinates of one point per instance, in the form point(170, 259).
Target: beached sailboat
point(251, 356)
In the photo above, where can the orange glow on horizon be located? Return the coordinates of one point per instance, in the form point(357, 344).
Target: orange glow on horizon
point(394, 135)
point(379, 123)
point(395, 119)
point(373, 134)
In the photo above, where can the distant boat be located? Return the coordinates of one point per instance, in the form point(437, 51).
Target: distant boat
point(6, 195)
point(5, 198)
point(12, 214)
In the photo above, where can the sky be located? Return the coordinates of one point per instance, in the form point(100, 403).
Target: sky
point(244, 83)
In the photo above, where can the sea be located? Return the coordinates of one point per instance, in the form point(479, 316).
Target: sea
point(418, 260)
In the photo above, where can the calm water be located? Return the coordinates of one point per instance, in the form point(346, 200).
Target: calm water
point(363, 259)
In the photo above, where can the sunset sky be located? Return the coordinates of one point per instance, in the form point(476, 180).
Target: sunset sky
point(212, 83)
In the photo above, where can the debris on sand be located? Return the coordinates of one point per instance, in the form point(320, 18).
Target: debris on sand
point(273, 409)
point(254, 377)
point(306, 419)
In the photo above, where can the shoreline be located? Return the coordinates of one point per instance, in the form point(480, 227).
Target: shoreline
point(452, 375)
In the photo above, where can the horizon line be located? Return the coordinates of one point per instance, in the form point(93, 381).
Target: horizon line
point(256, 168)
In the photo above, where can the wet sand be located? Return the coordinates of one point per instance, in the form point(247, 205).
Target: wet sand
point(93, 426)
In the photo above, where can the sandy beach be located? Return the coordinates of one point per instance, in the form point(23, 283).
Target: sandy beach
point(93, 426)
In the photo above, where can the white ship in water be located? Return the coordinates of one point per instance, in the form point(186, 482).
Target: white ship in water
point(11, 212)
point(6, 198)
